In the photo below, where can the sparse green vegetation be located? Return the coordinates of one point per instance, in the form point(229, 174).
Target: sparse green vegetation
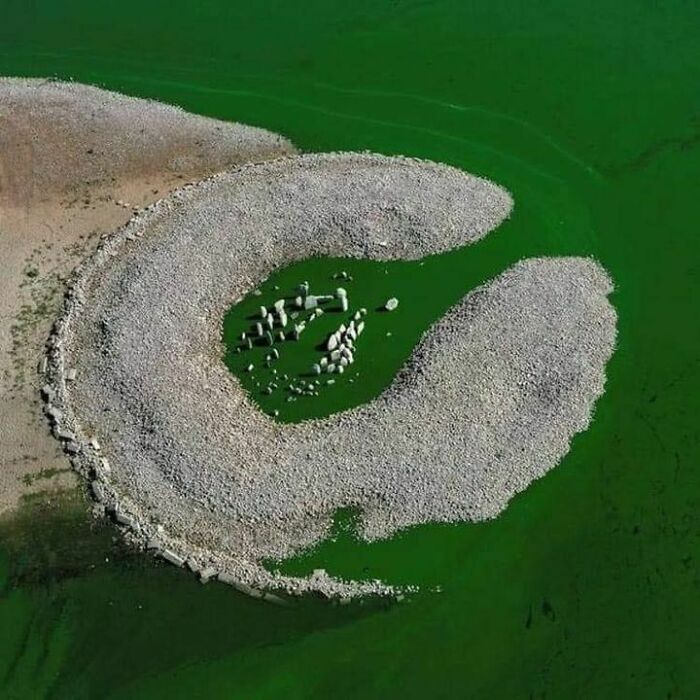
point(47, 473)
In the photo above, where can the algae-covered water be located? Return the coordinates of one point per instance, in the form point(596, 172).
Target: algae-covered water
point(588, 585)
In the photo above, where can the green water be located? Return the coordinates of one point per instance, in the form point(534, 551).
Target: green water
point(425, 290)
point(588, 585)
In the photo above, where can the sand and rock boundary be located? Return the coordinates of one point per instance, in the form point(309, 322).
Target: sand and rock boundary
point(75, 162)
point(139, 396)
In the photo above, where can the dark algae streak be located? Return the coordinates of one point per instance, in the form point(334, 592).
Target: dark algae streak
point(587, 585)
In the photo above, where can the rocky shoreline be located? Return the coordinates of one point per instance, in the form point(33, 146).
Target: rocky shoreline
point(174, 450)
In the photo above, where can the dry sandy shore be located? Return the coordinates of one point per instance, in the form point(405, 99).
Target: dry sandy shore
point(490, 400)
point(74, 162)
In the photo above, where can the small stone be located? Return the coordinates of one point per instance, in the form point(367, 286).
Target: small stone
point(206, 574)
point(250, 368)
point(259, 329)
point(311, 302)
point(316, 369)
point(298, 329)
point(279, 306)
point(172, 558)
point(63, 434)
point(263, 312)
point(332, 343)
point(71, 374)
point(97, 490)
point(391, 304)
point(54, 414)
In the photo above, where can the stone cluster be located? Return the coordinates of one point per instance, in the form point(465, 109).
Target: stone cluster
point(272, 323)
point(340, 345)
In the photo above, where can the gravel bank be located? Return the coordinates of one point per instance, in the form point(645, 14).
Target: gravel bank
point(489, 401)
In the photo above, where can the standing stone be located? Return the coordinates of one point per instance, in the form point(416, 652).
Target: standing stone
point(342, 297)
point(391, 304)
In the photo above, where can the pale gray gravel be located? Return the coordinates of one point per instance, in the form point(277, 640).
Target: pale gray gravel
point(489, 401)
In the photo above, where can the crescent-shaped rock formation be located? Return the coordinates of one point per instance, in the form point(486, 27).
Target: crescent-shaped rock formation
point(488, 402)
